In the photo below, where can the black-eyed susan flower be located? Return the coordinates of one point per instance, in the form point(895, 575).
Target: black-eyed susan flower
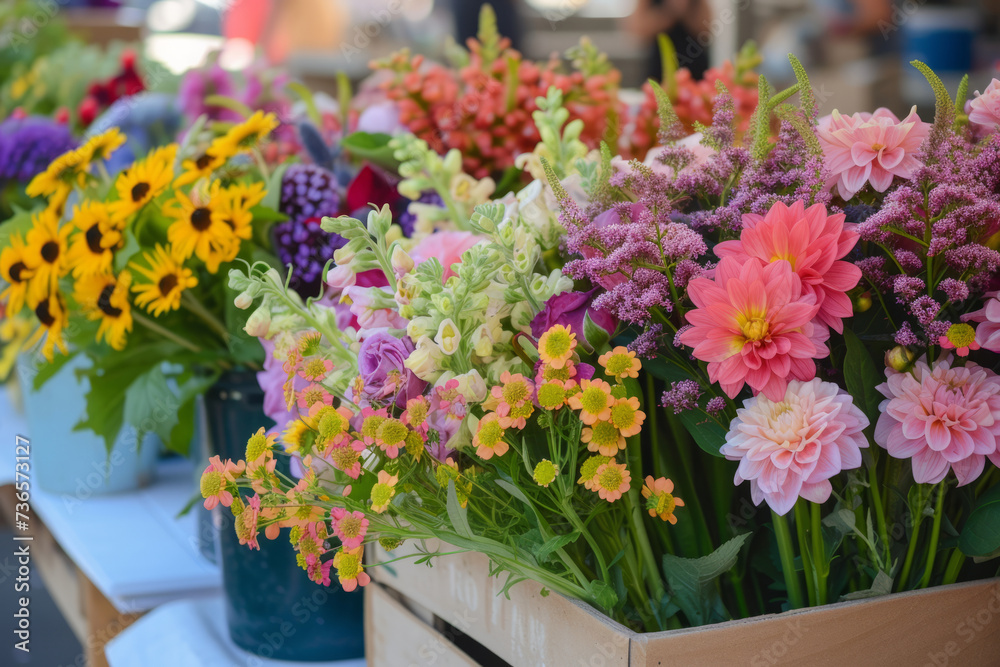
point(588, 471)
point(556, 346)
point(246, 135)
point(603, 437)
point(105, 298)
point(92, 246)
point(545, 473)
point(620, 363)
point(626, 416)
point(52, 317)
point(611, 480)
point(350, 571)
point(58, 179)
point(45, 251)
point(489, 437)
point(101, 146)
point(168, 278)
point(594, 401)
point(16, 271)
point(383, 491)
point(198, 229)
point(234, 204)
point(144, 181)
point(660, 500)
point(199, 167)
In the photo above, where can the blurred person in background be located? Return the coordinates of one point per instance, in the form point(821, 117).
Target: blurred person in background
point(685, 22)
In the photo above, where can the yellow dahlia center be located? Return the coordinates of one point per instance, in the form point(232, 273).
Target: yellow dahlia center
point(755, 329)
point(371, 425)
point(523, 411)
point(349, 567)
point(604, 433)
point(331, 424)
point(665, 503)
point(417, 414)
point(312, 395)
point(590, 466)
point(961, 335)
point(211, 484)
point(344, 458)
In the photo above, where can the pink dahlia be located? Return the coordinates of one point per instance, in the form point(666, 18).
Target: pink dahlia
point(753, 325)
point(791, 448)
point(988, 318)
point(871, 148)
point(814, 243)
point(941, 417)
point(984, 109)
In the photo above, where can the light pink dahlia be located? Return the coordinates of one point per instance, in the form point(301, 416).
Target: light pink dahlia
point(753, 325)
point(791, 449)
point(984, 109)
point(988, 318)
point(814, 243)
point(941, 417)
point(870, 148)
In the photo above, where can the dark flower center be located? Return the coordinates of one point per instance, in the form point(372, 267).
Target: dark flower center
point(139, 191)
point(203, 161)
point(201, 218)
point(15, 271)
point(167, 284)
point(104, 302)
point(50, 252)
point(93, 236)
point(43, 314)
point(230, 223)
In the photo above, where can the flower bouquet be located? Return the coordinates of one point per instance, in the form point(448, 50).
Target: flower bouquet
point(601, 381)
point(123, 269)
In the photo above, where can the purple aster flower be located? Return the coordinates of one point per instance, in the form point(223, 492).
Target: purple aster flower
point(905, 336)
point(715, 405)
point(28, 145)
point(681, 396)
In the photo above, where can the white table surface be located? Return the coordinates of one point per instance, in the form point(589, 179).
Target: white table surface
point(191, 633)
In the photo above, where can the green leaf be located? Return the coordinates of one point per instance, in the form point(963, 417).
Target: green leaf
point(595, 336)
point(603, 595)
point(150, 406)
point(861, 376)
point(128, 251)
point(46, 370)
point(981, 533)
point(307, 98)
point(882, 585)
point(457, 514)
point(707, 432)
point(272, 199)
point(692, 580)
point(554, 544)
point(265, 215)
point(509, 181)
point(373, 147)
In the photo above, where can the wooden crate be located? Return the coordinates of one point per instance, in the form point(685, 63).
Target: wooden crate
point(949, 625)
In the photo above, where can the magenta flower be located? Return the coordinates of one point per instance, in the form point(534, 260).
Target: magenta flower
point(871, 148)
point(753, 325)
point(381, 365)
point(942, 418)
point(791, 449)
point(988, 318)
point(984, 109)
point(814, 243)
point(569, 309)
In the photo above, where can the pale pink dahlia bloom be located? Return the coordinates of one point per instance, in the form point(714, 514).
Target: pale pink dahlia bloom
point(753, 325)
point(984, 109)
point(870, 148)
point(942, 418)
point(814, 243)
point(791, 448)
point(988, 318)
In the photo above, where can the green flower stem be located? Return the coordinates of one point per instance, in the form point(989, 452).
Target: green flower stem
point(163, 331)
point(908, 563)
point(787, 553)
point(651, 569)
point(801, 530)
point(883, 531)
point(819, 554)
point(574, 519)
point(935, 535)
point(265, 174)
point(954, 567)
point(191, 302)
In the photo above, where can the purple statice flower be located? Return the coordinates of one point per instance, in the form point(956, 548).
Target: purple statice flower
point(681, 396)
point(715, 406)
point(648, 342)
point(873, 270)
point(956, 290)
point(905, 336)
point(29, 144)
point(308, 193)
point(907, 288)
point(408, 220)
point(925, 309)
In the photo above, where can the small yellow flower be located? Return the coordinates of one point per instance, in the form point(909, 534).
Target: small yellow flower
point(200, 167)
point(198, 229)
point(594, 401)
point(101, 147)
point(588, 471)
point(93, 246)
point(143, 181)
point(612, 480)
point(620, 363)
point(45, 252)
point(52, 316)
point(545, 473)
point(60, 176)
point(246, 135)
point(556, 346)
point(104, 297)
point(552, 394)
point(626, 416)
point(16, 271)
point(489, 437)
point(168, 278)
point(660, 500)
point(383, 491)
point(260, 447)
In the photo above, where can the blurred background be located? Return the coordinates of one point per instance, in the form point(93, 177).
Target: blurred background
point(856, 51)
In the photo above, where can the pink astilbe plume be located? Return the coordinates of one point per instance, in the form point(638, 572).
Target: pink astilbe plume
point(813, 243)
point(791, 449)
point(871, 148)
point(753, 325)
point(942, 418)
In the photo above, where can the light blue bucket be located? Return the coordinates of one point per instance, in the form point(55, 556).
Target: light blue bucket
point(65, 461)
